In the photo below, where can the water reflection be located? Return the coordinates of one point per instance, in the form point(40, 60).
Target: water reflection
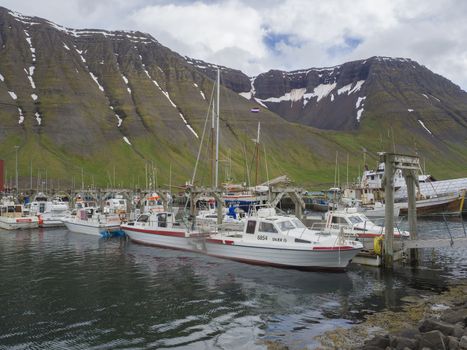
point(61, 289)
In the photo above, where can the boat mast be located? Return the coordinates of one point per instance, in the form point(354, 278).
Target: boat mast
point(257, 154)
point(216, 178)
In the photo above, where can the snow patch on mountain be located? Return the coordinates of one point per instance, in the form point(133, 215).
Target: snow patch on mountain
point(293, 96)
point(126, 140)
point(200, 92)
point(38, 118)
point(359, 101)
point(2, 78)
point(320, 92)
point(359, 114)
point(166, 94)
point(188, 125)
point(21, 116)
point(96, 81)
point(34, 97)
point(125, 79)
point(424, 127)
point(31, 48)
point(13, 95)
point(348, 88)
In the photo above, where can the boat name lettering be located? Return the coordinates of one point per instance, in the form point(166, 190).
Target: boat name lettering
point(262, 237)
point(279, 240)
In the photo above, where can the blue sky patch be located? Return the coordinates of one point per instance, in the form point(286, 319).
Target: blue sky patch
point(271, 40)
point(350, 43)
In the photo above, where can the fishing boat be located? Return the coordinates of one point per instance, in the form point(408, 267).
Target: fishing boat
point(50, 212)
point(161, 229)
point(14, 217)
point(90, 221)
point(283, 241)
point(355, 224)
point(449, 204)
point(266, 239)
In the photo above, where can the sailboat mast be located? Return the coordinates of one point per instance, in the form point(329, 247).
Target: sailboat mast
point(213, 141)
point(216, 178)
point(257, 154)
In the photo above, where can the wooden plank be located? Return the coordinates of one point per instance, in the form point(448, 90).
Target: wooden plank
point(436, 243)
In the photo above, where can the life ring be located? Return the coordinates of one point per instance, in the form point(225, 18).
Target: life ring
point(378, 245)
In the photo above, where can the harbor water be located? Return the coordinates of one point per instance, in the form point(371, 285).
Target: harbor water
point(65, 290)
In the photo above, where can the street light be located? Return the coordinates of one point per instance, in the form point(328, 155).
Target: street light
point(16, 151)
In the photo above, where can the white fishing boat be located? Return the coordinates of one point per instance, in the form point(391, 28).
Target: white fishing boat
point(355, 224)
point(161, 229)
point(50, 212)
point(14, 217)
point(91, 221)
point(266, 239)
point(283, 241)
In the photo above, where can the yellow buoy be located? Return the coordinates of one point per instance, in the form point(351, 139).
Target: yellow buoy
point(378, 245)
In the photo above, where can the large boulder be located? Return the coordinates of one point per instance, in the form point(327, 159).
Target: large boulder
point(431, 325)
point(455, 316)
point(433, 340)
point(379, 341)
point(400, 343)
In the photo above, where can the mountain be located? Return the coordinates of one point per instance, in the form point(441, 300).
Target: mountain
point(88, 102)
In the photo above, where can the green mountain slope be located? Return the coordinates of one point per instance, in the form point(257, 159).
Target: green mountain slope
point(89, 101)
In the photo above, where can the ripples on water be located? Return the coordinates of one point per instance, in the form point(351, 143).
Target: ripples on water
point(64, 290)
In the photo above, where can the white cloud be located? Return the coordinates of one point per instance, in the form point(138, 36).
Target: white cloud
point(256, 36)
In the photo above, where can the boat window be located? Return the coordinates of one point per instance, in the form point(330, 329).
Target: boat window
point(143, 218)
point(355, 219)
point(338, 220)
point(298, 223)
point(162, 220)
point(250, 226)
point(286, 225)
point(267, 227)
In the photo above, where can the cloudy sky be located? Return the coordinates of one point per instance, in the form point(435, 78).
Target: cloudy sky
point(256, 35)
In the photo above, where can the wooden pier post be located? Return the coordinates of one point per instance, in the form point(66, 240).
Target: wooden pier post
point(411, 181)
point(389, 210)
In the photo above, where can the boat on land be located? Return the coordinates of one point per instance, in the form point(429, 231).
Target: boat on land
point(266, 239)
point(14, 217)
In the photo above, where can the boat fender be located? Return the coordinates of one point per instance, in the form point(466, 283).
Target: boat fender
point(378, 245)
point(41, 220)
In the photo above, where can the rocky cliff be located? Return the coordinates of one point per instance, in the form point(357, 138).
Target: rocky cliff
point(92, 100)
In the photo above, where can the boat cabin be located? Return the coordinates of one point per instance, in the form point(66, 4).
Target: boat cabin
point(117, 205)
point(11, 210)
point(160, 219)
point(267, 225)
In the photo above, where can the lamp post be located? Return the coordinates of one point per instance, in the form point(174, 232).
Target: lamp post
point(16, 152)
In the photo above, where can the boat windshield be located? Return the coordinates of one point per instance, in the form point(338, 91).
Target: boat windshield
point(298, 223)
point(286, 225)
point(355, 219)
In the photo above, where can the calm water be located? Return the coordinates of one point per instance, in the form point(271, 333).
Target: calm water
point(66, 290)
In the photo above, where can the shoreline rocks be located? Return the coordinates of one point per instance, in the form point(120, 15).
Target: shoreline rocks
point(437, 322)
